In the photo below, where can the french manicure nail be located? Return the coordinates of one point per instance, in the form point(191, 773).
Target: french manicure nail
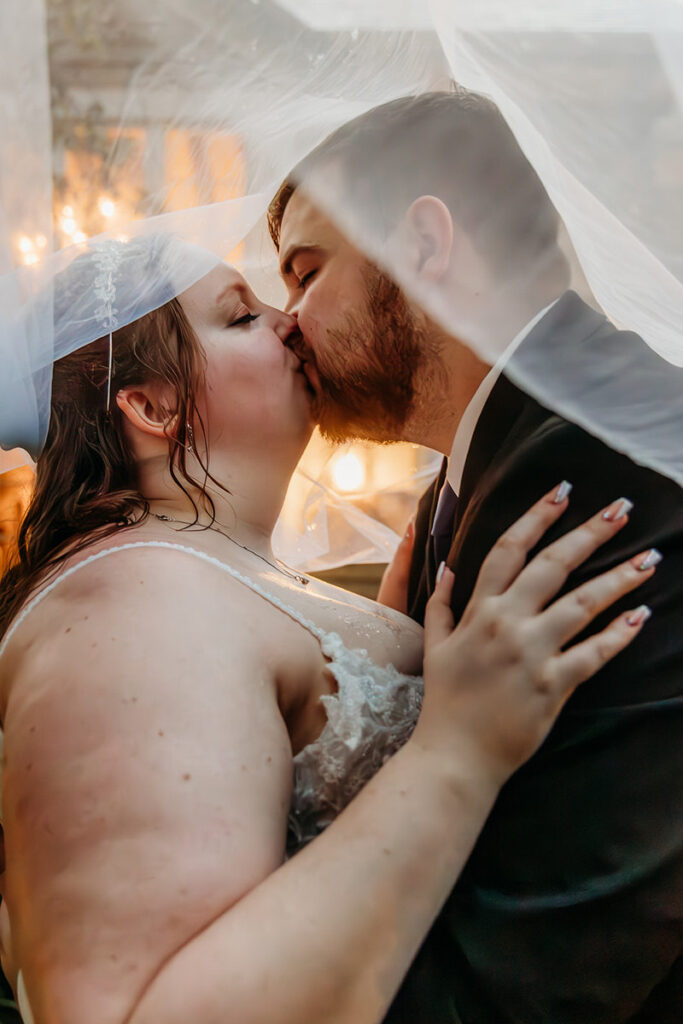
point(640, 615)
point(618, 509)
point(439, 572)
point(562, 492)
point(652, 558)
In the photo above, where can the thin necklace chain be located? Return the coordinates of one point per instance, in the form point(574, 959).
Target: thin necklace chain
point(290, 575)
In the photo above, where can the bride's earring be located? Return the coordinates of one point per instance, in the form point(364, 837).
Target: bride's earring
point(189, 447)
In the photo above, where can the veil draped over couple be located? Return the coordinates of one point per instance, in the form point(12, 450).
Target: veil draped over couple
point(232, 792)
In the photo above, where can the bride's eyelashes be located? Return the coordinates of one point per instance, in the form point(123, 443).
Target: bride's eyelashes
point(246, 319)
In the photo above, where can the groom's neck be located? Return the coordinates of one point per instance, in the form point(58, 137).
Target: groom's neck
point(472, 333)
point(444, 389)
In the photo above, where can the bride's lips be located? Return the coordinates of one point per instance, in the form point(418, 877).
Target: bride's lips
point(312, 376)
point(293, 359)
point(304, 366)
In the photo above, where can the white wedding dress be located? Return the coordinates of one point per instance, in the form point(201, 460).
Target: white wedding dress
point(369, 718)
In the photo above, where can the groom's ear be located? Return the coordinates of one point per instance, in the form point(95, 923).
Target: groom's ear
point(428, 234)
point(145, 407)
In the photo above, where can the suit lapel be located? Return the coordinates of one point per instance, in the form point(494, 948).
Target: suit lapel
point(507, 418)
point(422, 569)
point(430, 560)
point(510, 414)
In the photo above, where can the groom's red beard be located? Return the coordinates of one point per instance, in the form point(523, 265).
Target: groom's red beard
point(369, 367)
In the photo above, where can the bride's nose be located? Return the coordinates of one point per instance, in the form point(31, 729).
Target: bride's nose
point(282, 323)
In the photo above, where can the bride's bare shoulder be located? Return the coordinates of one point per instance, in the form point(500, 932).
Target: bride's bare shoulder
point(111, 600)
point(136, 743)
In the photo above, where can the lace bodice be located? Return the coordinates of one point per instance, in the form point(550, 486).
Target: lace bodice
point(369, 718)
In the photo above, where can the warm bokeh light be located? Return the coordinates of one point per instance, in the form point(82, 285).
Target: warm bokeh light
point(15, 491)
point(27, 249)
point(348, 473)
point(210, 168)
point(107, 207)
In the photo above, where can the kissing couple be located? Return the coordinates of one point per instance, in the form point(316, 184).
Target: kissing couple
point(232, 792)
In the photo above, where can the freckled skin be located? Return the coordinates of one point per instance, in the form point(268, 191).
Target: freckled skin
point(122, 832)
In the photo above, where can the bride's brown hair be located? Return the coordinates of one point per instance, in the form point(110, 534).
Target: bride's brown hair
point(85, 485)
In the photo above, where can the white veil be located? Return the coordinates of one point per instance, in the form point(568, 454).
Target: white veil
point(182, 117)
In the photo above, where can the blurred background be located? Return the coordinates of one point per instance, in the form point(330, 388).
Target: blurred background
point(137, 110)
point(122, 150)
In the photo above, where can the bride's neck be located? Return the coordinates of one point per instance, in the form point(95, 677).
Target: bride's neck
point(246, 506)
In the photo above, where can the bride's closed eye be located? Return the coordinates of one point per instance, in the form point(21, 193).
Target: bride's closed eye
point(245, 319)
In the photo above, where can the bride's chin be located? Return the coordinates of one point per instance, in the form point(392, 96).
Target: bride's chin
point(310, 394)
point(309, 398)
point(300, 423)
point(308, 427)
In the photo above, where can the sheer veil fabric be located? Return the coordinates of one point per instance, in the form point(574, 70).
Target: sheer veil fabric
point(185, 116)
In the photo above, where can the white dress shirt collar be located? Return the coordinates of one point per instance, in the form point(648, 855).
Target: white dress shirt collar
point(468, 423)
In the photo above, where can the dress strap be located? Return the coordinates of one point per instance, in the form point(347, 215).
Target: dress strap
point(311, 627)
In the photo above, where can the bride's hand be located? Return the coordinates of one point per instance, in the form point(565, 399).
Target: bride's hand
point(495, 684)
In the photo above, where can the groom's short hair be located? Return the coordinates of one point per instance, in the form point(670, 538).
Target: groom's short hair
point(454, 145)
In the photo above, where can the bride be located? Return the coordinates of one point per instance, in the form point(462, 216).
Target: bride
point(226, 795)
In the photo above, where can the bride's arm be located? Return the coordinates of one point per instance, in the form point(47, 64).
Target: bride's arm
point(328, 935)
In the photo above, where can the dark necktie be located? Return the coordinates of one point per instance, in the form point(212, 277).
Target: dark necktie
point(442, 524)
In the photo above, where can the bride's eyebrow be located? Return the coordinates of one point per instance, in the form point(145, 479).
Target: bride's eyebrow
point(236, 290)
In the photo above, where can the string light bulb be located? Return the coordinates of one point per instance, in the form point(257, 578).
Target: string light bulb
point(107, 207)
point(348, 473)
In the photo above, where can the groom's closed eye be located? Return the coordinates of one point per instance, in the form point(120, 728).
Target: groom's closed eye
point(299, 260)
point(303, 268)
point(305, 278)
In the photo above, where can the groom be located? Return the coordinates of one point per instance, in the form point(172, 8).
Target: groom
point(570, 910)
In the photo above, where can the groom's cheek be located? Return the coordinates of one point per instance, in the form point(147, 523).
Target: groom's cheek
point(314, 332)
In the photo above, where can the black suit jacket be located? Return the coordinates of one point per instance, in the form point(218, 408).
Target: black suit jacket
point(570, 909)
